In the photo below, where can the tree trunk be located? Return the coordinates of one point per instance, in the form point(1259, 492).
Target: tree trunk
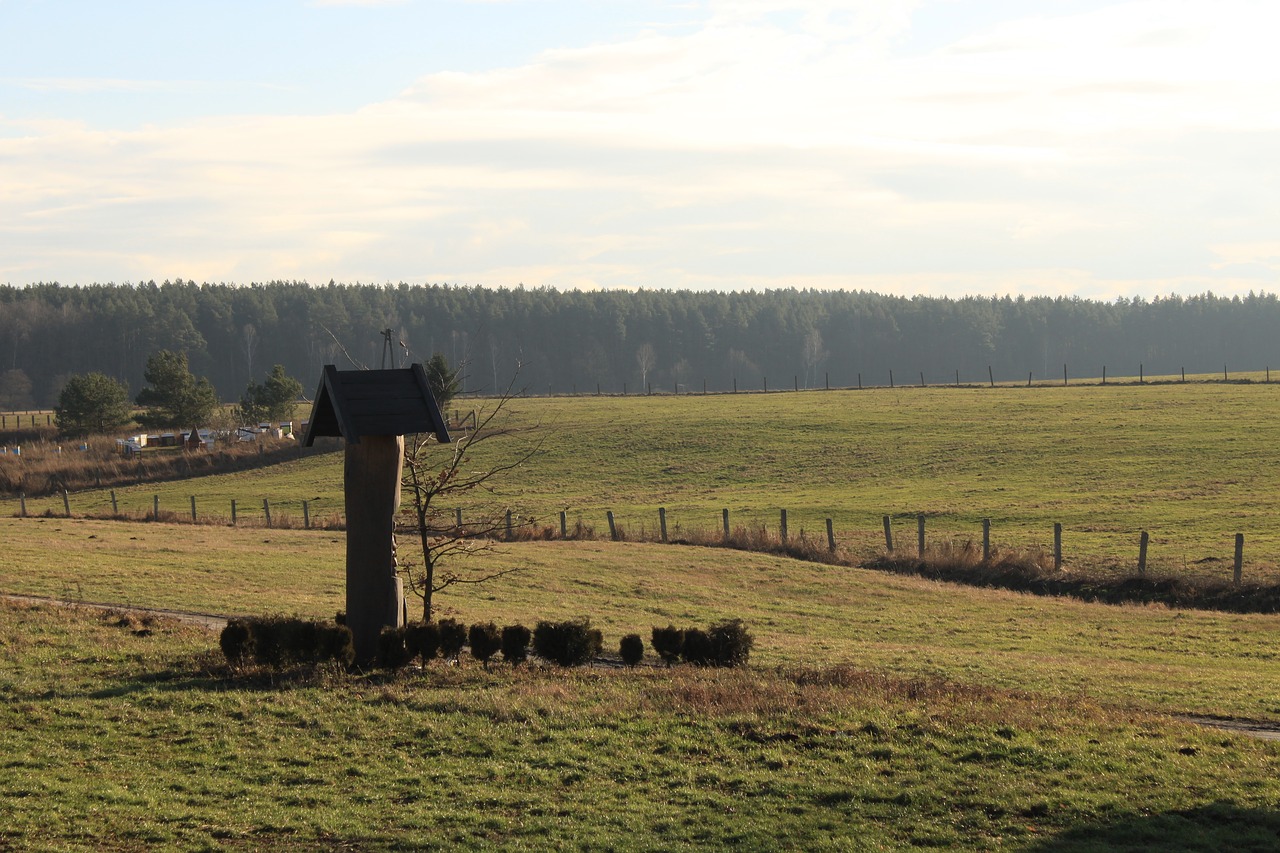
point(375, 596)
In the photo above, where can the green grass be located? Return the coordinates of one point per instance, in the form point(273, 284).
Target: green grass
point(113, 740)
point(1188, 463)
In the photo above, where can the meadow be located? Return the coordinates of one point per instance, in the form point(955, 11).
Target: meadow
point(879, 711)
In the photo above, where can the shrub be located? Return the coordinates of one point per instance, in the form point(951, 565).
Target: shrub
point(422, 640)
point(515, 644)
point(337, 644)
point(485, 640)
point(730, 643)
point(668, 642)
point(453, 636)
point(631, 648)
point(237, 641)
point(697, 647)
point(391, 652)
point(569, 643)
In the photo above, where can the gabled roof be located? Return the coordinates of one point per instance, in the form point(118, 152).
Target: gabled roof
point(354, 403)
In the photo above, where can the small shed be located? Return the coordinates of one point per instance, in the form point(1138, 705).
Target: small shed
point(373, 410)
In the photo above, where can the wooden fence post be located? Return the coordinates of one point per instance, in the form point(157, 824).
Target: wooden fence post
point(783, 526)
point(115, 508)
point(1057, 546)
point(457, 518)
point(193, 508)
point(510, 532)
point(920, 534)
point(724, 515)
point(564, 525)
point(662, 522)
point(1104, 374)
point(233, 512)
point(266, 510)
point(613, 528)
point(922, 379)
point(66, 503)
point(1142, 374)
point(1239, 557)
point(22, 504)
point(991, 377)
point(1064, 375)
point(155, 507)
point(888, 534)
point(831, 537)
point(890, 378)
point(986, 540)
point(1142, 553)
point(306, 514)
point(1029, 374)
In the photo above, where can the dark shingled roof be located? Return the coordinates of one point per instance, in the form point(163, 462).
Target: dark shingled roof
point(354, 403)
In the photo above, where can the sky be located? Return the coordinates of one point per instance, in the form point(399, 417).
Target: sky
point(919, 147)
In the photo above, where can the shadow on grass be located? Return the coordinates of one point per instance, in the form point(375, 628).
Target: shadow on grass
point(1216, 826)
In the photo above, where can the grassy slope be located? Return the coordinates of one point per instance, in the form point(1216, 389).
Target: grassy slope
point(1186, 463)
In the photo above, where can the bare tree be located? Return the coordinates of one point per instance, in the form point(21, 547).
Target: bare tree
point(434, 475)
point(646, 358)
point(814, 354)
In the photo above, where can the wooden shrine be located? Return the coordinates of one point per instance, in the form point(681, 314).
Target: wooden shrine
point(373, 410)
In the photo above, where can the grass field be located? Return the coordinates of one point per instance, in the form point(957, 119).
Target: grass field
point(1192, 464)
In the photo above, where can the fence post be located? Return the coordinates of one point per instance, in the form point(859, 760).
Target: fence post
point(1142, 553)
point(193, 507)
point(457, 518)
point(831, 537)
point(922, 379)
point(66, 503)
point(783, 526)
point(724, 515)
point(233, 512)
point(1057, 546)
point(306, 514)
point(986, 540)
point(1064, 375)
point(22, 504)
point(991, 377)
point(115, 509)
point(1142, 374)
point(890, 378)
point(510, 533)
point(155, 507)
point(613, 528)
point(266, 510)
point(1239, 557)
point(1029, 374)
point(564, 525)
point(888, 535)
point(920, 534)
point(662, 522)
point(859, 381)
point(1104, 374)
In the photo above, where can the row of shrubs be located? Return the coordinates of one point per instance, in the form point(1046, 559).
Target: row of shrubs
point(279, 642)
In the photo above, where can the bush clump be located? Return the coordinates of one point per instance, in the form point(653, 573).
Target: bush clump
point(453, 636)
point(631, 648)
point(278, 642)
point(668, 642)
point(730, 643)
point(697, 647)
point(485, 639)
point(515, 644)
point(422, 640)
point(391, 652)
point(568, 643)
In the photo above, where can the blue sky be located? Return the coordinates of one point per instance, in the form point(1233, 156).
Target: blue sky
point(943, 147)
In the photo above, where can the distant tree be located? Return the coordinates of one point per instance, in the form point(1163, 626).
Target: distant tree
point(443, 379)
point(646, 358)
point(175, 398)
point(92, 403)
point(273, 400)
point(15, 390)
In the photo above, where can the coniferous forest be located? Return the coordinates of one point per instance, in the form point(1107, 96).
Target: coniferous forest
point(578, 341)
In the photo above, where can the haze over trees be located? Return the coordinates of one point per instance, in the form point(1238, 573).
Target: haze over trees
point(570, 341)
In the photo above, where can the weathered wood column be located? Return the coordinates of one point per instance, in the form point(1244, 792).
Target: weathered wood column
point(375, 593)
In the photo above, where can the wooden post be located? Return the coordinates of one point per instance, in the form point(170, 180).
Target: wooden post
point(115, 509)
point(155, 507)
point(613, 528)
point(1142, 375)
point(1184, 376)
point(986, 540)
point(22, 504)
point(890, 378)
point(375, 593)
point(1057, 546)
point(1142, 553)
point(920, 534)
point(1224, 373)
point(831, 537)
point(233, 512)
point(1104, 374)
point(797, 380)
point(564, 525)
point(957, 379)
point(783, 526)
point(1239, 557)
point(306, 515)
point(457, 519)
point(922, 379)
point(888, 535)
point(735, 385)
point(1064, 375)
point(662, 522)
point(266, 510)
point(724, 516)
point(510, 532)
point(193, 507)
point(766, 384)
point(859, 381)
point(1029, 373)
point(826, 379)
point(991, 377)
point(66, 503)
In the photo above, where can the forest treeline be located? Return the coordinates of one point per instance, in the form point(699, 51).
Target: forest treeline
point(576, 341)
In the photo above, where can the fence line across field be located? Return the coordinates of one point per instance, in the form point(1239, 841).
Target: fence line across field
point(513, 528)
